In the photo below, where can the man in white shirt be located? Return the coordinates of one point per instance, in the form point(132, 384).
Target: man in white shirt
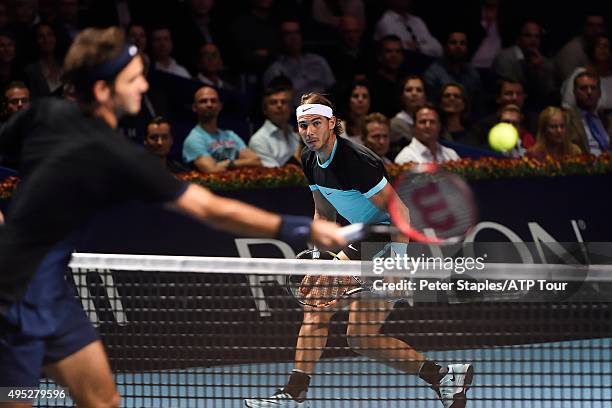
point(275, 142)
point(210, 67)
point(573, 54)
point(424, 146)
point(523, 62)
point(411, 29)
point(161, 50)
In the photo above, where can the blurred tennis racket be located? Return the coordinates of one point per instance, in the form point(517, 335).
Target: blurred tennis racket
point(431, 205)
point(322, 291)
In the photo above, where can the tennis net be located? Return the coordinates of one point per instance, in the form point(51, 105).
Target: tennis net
point(211, 332)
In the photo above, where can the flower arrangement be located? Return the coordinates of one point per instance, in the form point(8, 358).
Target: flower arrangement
point(7, 187)
point(248, 178)
point(487, 168)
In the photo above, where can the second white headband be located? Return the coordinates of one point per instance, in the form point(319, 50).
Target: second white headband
point(314, 109)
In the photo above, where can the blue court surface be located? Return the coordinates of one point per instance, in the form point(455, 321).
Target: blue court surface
point(573, 374)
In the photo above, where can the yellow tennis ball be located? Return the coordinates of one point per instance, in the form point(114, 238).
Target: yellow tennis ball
point(503, 137)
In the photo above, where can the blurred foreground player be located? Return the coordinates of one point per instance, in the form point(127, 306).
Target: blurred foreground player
point(74, 166)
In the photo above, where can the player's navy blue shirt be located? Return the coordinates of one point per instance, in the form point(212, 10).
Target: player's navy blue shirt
point(351, 175)
point(73, 167)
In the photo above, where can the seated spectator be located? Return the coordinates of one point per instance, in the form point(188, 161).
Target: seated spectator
point(69, 19)
point(275, 142)
point(120, 13)
point(508, 92)
point(585, 127)
point(453, 67)
point(552, 137)
point(512, 114)
point(486, 39)
point(159, 141)
point(16, 97)
point(455, 109)
point(200, 13)
point(210, 68)
point(375, 135)
point(573, 54)
point(9, 71)
point(388, 71)
point(598, 54)
point(23, 17)
point(26, 12)
point(424, 146)
point(137, 35)
point(348, 59)
point(45, 75)
point(255, 52)
point(412, 96)
point(47, 11)
point(308, 72)
point(4, 16)
point(208, 148)
point(412, 30)
point(524, 63)
point(161, 53)
point(330, 13)
point(355, 106)
point(197, 22)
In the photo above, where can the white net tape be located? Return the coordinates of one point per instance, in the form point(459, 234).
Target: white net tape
point(268, 266)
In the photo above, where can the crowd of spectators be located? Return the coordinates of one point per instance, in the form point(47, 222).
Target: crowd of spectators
point(226, 76)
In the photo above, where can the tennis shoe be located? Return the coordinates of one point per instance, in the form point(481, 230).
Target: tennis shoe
point(453, 386)
point(280, 399)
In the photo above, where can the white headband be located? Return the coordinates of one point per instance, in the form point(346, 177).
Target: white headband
point(314, 109)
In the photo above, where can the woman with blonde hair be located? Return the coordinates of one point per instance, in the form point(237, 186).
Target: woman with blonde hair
point(552, 138)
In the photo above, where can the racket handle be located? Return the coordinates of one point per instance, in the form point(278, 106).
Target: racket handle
point(353, 232)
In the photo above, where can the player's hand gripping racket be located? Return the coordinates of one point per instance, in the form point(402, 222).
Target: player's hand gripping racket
point(431, 205)
point(322, 291)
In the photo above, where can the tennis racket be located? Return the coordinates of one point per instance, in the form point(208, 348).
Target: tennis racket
point(322, 291)
point(430, 205)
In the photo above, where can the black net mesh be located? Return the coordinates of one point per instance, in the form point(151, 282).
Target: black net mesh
point(185, 339)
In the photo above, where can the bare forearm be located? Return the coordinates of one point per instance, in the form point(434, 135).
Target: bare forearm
point(215, 169)
point(228, 214)
point(208, 165)
point(244, 219)
point(247, 162)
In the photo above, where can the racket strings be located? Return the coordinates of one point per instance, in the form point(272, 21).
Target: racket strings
point(318, 290)
point(438, 201)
